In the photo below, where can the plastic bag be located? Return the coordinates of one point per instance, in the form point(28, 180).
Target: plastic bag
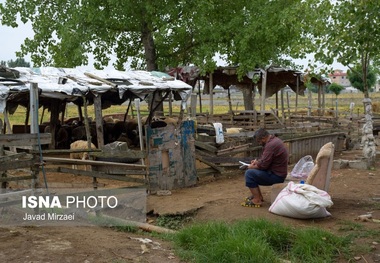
point(219, 136)
point(303, 167)
point(301, 201)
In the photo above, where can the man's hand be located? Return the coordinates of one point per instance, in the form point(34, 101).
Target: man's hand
point(253, 164)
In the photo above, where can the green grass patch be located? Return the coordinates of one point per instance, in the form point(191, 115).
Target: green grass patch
point(358, 230)
point(257, 241)
point(173, 222)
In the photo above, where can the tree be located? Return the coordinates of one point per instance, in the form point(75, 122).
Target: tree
point(356, 79)
point(19, 62)
point(158, 34)
point(336, 88)
point(346, 31)
point(150, 34)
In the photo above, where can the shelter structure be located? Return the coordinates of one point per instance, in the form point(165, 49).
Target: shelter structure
point(267, 80)
point(104, 88)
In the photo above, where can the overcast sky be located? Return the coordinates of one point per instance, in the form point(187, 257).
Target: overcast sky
point(11, 40)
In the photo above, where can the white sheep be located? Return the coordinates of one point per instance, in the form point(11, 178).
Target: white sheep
point(80, 145)
point(234, 130)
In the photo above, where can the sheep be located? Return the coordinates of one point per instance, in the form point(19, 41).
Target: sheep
point(234, 130)
point(80, 145)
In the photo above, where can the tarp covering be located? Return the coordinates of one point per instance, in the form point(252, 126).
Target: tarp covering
point(71, 84)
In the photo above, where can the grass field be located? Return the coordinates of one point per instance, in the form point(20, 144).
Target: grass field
point(221, 106)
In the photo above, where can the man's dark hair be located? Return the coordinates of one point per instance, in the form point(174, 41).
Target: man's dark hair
point(260, 134)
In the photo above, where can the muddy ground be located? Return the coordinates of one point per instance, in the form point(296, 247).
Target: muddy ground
point(354, 193)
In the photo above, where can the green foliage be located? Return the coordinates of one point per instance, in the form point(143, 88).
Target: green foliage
point(345, 30)
point(317, 245)
point(19, 62)
point(256, 241)
point(155, 35)
point(355, 76)
point(336, 88)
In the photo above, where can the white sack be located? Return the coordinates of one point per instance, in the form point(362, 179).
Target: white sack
point(301, 201)
point(219, 136)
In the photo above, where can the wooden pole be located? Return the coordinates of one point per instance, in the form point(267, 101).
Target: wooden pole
point(33, 108)
point(229, 100)
point(309, 103)
point(199, 94)
point(263, 90)
point(297, 91)
point(170, 104)
point(143, 226)
point(193, 105)
point(34, 128)
point(263, 95)
point(139, 124)
point(282, 105)
point(288, 102)
point(8, 127)
point(99, 121)
point(211, 88)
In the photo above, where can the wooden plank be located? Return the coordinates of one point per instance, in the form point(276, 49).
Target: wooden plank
point(101, 175)
point(18, 178)
point(24, 139)
point(90, 162)
point(12, 156)
point(215, 167)
point(206, 146)
point(234, 149)
point(63, 151)
point(4, 166)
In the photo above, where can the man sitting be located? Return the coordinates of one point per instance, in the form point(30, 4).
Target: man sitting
point(271, 168)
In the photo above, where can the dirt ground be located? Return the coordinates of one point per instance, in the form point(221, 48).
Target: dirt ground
point(354, 193)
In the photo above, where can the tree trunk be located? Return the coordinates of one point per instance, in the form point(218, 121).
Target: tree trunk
point(368, 140)
point(151, 63)
point(248, 97)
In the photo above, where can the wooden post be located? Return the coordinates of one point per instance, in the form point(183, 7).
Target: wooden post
point(42, 115)
point(229, 100)
point(309, 103)
point(263, 89)
point(297, 91)
point(33, 108)
point(99, 120)
point(193, 105)
point(199, 94)
point(88, 135)
point(63, 104)
point(86, 123)
point(34, 128)
point(211, 88)
point(8, 127)
point(54, 119)
point(139, 124)
point(323, 101)
point(319, 100)
point(276, 96)
point(288, 102)
point(282, 105)
point(170, 104)
point(263, 95)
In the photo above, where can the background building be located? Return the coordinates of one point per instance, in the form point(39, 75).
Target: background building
point(340, 77)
